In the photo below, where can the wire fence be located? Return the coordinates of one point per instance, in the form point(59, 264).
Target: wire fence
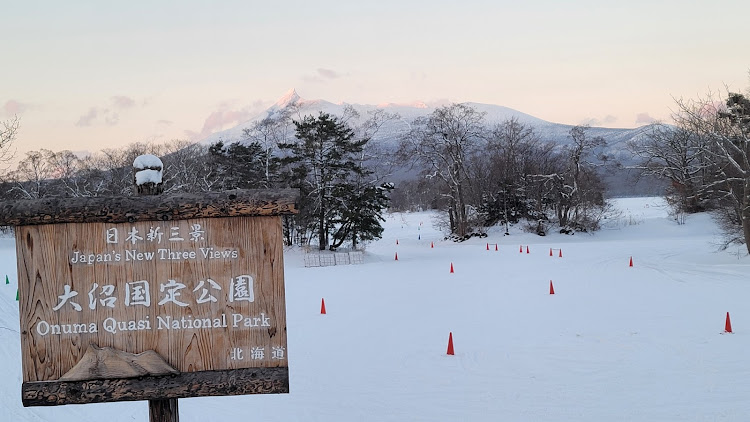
point(327, 259)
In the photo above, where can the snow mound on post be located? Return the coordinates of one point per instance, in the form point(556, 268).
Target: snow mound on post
point(147, 161)
point(148, 176)
point(149, 169)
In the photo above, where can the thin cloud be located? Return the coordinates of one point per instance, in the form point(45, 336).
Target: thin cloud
point(322, 75)
point(122, 102)
point(590, 121)
point(595, 121)
point(328, 73)
point(111, 118)
point(224, 118)
point(108, 114)
point(14, 107)
point(88, 118)
point(644, 118)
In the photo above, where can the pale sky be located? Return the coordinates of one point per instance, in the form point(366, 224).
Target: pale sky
point(87, 75)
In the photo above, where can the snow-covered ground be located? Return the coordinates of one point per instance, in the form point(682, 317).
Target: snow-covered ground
point(614, 343)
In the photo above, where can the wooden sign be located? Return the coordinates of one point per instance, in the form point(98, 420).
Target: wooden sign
point(152, 301)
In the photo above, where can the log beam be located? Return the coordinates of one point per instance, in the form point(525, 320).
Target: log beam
point(129, 209)
point(186, 384)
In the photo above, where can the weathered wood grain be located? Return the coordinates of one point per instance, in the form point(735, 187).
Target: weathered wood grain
point(183, 385)
point(109, 363)
point(163, 410)
point(240, 202)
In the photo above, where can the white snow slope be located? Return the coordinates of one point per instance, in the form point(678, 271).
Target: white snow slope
point(614, 343)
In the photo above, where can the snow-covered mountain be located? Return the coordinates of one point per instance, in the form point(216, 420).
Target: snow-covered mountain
point(389, 134)
point(408, 112)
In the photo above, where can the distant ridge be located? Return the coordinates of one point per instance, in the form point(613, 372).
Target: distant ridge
point(390, 133)
point(407, 112)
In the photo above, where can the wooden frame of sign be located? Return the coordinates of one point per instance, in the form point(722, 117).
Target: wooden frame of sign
point(151, 297)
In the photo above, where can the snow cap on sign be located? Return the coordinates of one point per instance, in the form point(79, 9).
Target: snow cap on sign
point(146, 176)
point(149, 169)
point(147, 161)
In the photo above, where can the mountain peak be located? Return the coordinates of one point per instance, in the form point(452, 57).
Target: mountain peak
point(290, 97)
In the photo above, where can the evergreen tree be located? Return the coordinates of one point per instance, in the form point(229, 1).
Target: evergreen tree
point(323, 163)
point(360, 212)
point(239, 166)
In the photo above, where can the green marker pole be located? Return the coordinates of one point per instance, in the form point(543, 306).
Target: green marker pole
point(6, 279)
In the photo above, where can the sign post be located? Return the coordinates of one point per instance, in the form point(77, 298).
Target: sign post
point(151, 297)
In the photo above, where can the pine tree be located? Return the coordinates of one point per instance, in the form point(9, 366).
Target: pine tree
point(360, 212)
point(321, 162)
point(240, 166)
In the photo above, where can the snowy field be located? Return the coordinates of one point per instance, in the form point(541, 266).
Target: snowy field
point(614, 343)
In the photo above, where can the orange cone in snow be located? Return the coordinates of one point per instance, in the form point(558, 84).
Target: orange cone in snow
point(495, 247)
point(397, 241)
point(631, 261)
point(396, 259)
point(450, 344)
point(527, 249)
point(551, 288)
point(728, 325)
point(560, 252)
point(451, 268)
point(550, 251)
point(520, 249)
point(322, 306)
point(432, 244)
point(488, 246)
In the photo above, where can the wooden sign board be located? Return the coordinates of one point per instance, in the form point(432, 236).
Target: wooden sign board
point(152, 308)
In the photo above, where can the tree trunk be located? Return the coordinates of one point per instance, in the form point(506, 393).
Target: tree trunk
point(461, 211)
point(452, 216)
point(322, 244)
point(746, 213)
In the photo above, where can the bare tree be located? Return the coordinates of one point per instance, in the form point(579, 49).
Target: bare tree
point(574, 183)
point(31, 179)
point(725, 125)
point(442, 142)
point(8, 133)
point(511, 153)
point(188, 167)
point(679, 156)
point(269, 132)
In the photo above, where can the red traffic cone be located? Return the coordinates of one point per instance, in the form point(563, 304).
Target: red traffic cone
point(432, 244)
point(550, 251)
point(495, 247)
point(488, 246)
point(631, 261)
point(728, 325)
point(451, 268)
point(396, 259)
point(397, 241)
point(322, 306)
point(527, 249)
point(560, 252)
point(520, 249)
point(450, 344)
point(551, 288)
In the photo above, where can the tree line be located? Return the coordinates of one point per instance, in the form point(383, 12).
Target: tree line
point(504, 174)
point(478, 175)
point(342, 200)
point(705, 157)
